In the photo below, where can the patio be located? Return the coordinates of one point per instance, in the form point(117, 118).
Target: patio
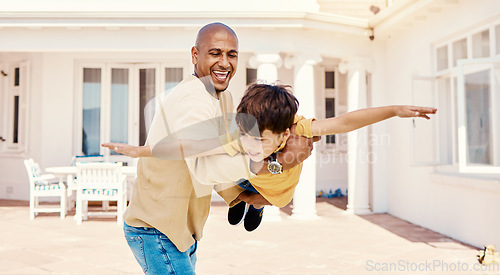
point(335, 243)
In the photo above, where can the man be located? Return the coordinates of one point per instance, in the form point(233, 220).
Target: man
point(166, 214)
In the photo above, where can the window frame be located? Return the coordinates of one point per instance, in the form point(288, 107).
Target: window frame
point(461, 108)
point(450, 77)
point(8, 91)
point(340, 145)
point(133, 102)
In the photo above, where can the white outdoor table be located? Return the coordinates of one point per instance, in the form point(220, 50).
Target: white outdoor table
point(70, 173)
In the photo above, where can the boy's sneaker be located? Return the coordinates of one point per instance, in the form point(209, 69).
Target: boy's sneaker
point(236, 213)
point(253, 218)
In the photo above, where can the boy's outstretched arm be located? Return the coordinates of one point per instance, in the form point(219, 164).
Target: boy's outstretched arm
point(360, 118)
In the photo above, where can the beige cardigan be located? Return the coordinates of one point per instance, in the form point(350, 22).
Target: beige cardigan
point(167, 195)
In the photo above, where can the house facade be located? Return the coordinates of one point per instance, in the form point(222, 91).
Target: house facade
point(78, 74)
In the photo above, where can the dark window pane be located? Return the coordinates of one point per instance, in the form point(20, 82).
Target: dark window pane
point(330, 139)
point(330, 107)
point(16, 119)
point(147, 92)
point(330, 80)
point(330, 112)
point(119, 106)
point(16, 77)
point(91, 105)
point(251, 75)
point(479, 136)
point(173, 76)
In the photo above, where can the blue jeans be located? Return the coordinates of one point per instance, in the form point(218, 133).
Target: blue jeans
point(245, 184)
point(156, 254)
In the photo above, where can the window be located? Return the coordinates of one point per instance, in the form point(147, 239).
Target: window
point(459, 50)
point(478, 115)
point(330, 112)
point(481, 44)
point(91, 109)
point(118, 102)
point(251, 75)
point(497, 35)
point(330, 101)
point(147, 92)
point(119, 105)
point(469, 98)
point(16, 77)
point(15, 138)
point(13, 95)
point(330, 80)
point(442, 58)
point(173, 76)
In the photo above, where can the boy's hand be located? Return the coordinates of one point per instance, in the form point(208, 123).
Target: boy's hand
point(414, 111)
point(122, 148)
point(297, 149)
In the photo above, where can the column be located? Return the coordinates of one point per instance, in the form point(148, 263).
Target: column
point(304, 199)
point(267, 66)
point(358, 153)
point(267, 71)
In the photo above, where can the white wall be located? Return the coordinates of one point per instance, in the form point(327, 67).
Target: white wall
point(54, 52)
point(13, 176)
point(58, 49)
point(464, 213)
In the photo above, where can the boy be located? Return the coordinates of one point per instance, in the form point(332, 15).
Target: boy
point(274, 109)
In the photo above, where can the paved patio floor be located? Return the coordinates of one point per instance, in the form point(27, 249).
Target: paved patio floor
point(335, 243)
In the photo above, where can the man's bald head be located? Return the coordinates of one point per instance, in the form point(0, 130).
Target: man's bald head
point(215, 55)
point(211, 28)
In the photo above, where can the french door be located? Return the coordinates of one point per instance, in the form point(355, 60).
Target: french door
point(116, 102)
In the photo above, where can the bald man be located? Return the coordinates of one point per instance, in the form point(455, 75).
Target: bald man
point(166, 215)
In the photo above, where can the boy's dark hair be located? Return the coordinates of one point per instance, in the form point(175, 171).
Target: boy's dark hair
point(273, 106)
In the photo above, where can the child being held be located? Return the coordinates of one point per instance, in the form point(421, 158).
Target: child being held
point(274, 109)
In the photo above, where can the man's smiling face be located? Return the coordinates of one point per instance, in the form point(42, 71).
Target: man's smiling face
point(215, 56)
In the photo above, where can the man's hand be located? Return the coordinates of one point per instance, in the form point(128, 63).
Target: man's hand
point(253, 198)
point(129, 150)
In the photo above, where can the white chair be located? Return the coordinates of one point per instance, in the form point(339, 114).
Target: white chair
point(100, 182)
point(71, 184)
point(44, 186)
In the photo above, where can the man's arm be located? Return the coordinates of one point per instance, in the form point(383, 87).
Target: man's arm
point(129, 150)
point(166, 149)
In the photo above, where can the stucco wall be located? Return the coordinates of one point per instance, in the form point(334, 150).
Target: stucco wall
point(54, 52)
point(462, 212)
